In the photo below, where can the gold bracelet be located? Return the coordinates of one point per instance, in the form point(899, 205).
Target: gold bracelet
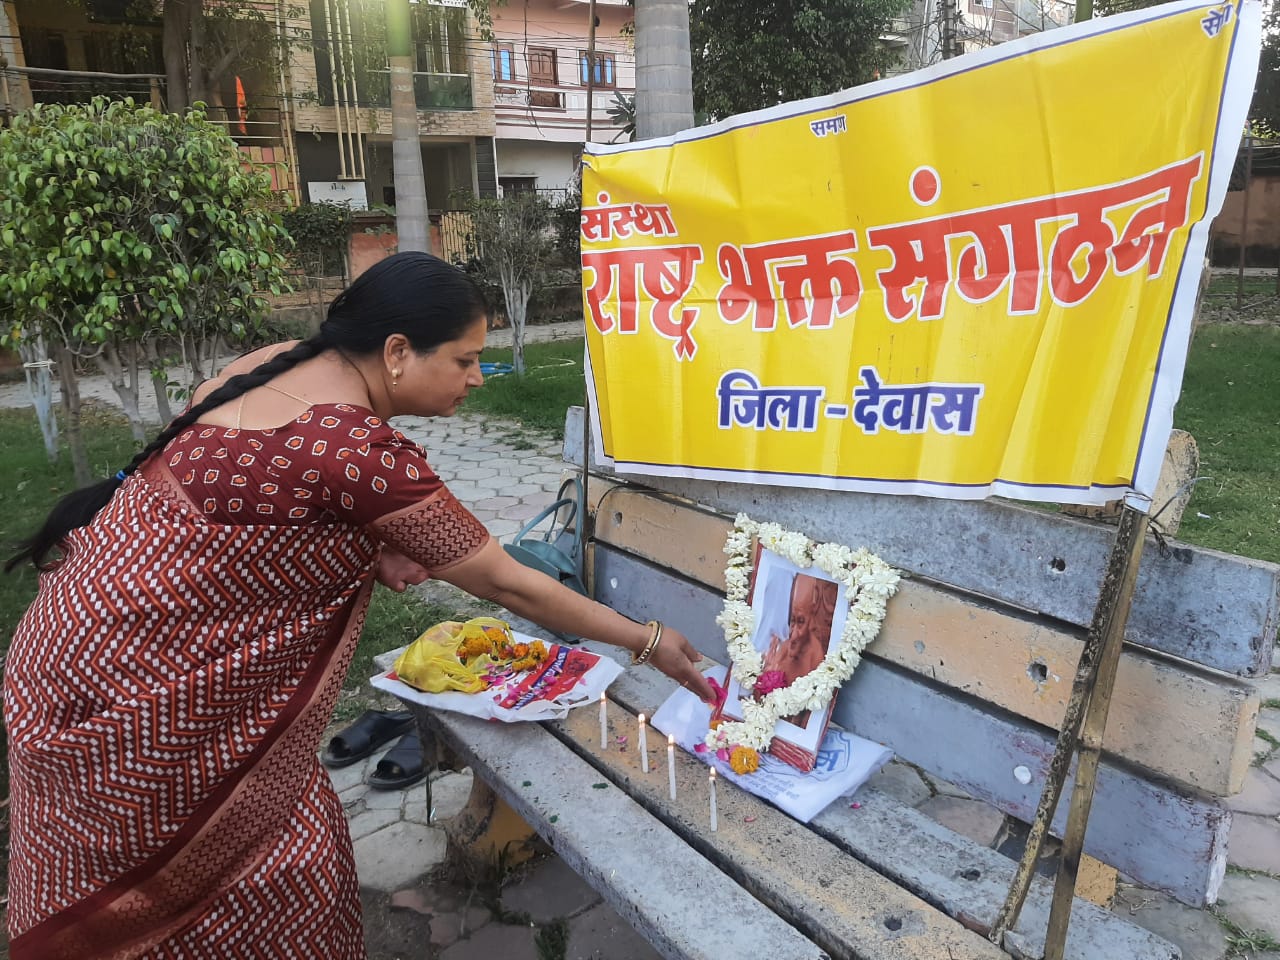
point(655, 637)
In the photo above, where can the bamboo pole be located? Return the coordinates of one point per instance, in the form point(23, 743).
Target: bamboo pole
point(1129, 541)
point(584, 513)
point(1100, 654)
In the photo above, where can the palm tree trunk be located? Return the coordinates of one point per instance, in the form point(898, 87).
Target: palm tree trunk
point(406, 149)
point(176, 32)
point(664, 79)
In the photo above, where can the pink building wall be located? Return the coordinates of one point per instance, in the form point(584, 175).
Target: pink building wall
point(527, 109)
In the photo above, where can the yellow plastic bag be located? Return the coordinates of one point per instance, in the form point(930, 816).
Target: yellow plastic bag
point(435, 661)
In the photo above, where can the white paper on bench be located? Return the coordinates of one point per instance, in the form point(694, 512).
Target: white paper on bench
point(851, 760)
point(487, 706)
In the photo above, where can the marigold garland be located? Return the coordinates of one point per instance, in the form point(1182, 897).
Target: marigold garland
point(869, 582)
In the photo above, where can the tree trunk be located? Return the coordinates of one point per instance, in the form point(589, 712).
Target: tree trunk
point(35, 364)
point(406, 149)
point(664, 78)
point(197, 69)
point(159, 382)
point(174, 49)
point(517, 296)
point(71, 409)
point(115, 365)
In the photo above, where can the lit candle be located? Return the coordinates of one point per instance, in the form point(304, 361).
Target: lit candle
point(671, 764)
point(644, 746)
point(604, 724)
point(712, 781)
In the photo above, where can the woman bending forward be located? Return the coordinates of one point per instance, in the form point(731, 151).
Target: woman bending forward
point(167, 689)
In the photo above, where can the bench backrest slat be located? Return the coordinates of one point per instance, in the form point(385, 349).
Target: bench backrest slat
point(1211, 608)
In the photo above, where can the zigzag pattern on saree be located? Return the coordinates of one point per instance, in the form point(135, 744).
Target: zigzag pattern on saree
point(133, 703)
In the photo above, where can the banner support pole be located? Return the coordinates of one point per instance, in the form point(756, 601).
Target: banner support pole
point(1086, 714)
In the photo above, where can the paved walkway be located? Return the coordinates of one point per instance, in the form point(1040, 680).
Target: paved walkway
point(413, 911)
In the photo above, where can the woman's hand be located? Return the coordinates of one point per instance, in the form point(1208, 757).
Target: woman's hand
point(397, 571)
point(676, 658)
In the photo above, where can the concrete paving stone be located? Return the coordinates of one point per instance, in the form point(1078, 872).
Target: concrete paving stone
point(484, 516)
point(1269, 686)
point(477, 473)
point(1261, 795)
point(551, 889)
point(1269, 720)
point(978, 821)
point(902, 782)
point(521, 511)
point(495, 940)
point(344, 778)
point(475, 917)
point(368, 822)
point(395, 856)
point(600, 934)
point(446, 928)
point(503, 530)
point(519, 490)
point(494, 504)
point(1262, 748)
point(1196, 932)
point(1273, 767)
point(384, 800)
point(449, 794)
point(1254, 843)
point(474, 456)
point(352, 796)
point(1252, 902)
point(414, 899)
point(415, 804)
point(518, 468)
point(388, 933)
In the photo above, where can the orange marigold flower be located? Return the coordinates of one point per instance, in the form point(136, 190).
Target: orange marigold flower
point(525, 664)
point(538, 650)
point(520, 651)
point(475, 646)
point(744, 760)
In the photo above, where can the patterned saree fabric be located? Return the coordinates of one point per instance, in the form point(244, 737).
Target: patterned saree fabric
point(166, 692)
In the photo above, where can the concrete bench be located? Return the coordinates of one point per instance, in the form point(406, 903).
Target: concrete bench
point(967, 681)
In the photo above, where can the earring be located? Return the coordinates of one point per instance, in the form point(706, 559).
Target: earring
point(395, 378)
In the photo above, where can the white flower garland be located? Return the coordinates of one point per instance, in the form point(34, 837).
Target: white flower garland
point(870, 582)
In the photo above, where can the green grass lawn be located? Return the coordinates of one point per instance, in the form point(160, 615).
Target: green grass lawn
point(1231, 405)
point(553, 383)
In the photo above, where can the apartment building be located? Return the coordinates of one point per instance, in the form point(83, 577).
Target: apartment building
point(541, 68)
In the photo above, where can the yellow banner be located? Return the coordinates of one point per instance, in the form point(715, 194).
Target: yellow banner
point(975, 279)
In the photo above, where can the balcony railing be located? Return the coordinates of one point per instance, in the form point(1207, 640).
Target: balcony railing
point(20, 87)
point(258, 127)
point(431, 91)
point(528, 96)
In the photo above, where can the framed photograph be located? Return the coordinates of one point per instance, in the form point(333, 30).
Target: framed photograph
point(799, 617)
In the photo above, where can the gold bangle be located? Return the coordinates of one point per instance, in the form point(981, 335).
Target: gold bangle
point(655, 637)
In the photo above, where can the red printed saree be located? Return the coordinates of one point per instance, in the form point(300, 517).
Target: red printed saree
point(164, 696)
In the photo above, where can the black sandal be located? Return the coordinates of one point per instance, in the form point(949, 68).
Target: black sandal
point(401, 766)
point(365, 736)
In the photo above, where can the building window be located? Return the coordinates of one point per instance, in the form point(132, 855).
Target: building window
point(603, 69)
point(440, 38)
point(504, 62)
point(511, 186)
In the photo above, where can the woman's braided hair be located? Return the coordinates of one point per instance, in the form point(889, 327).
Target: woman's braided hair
point(414, 294)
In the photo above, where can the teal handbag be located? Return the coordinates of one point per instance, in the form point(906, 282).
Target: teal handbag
point(557, 551)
